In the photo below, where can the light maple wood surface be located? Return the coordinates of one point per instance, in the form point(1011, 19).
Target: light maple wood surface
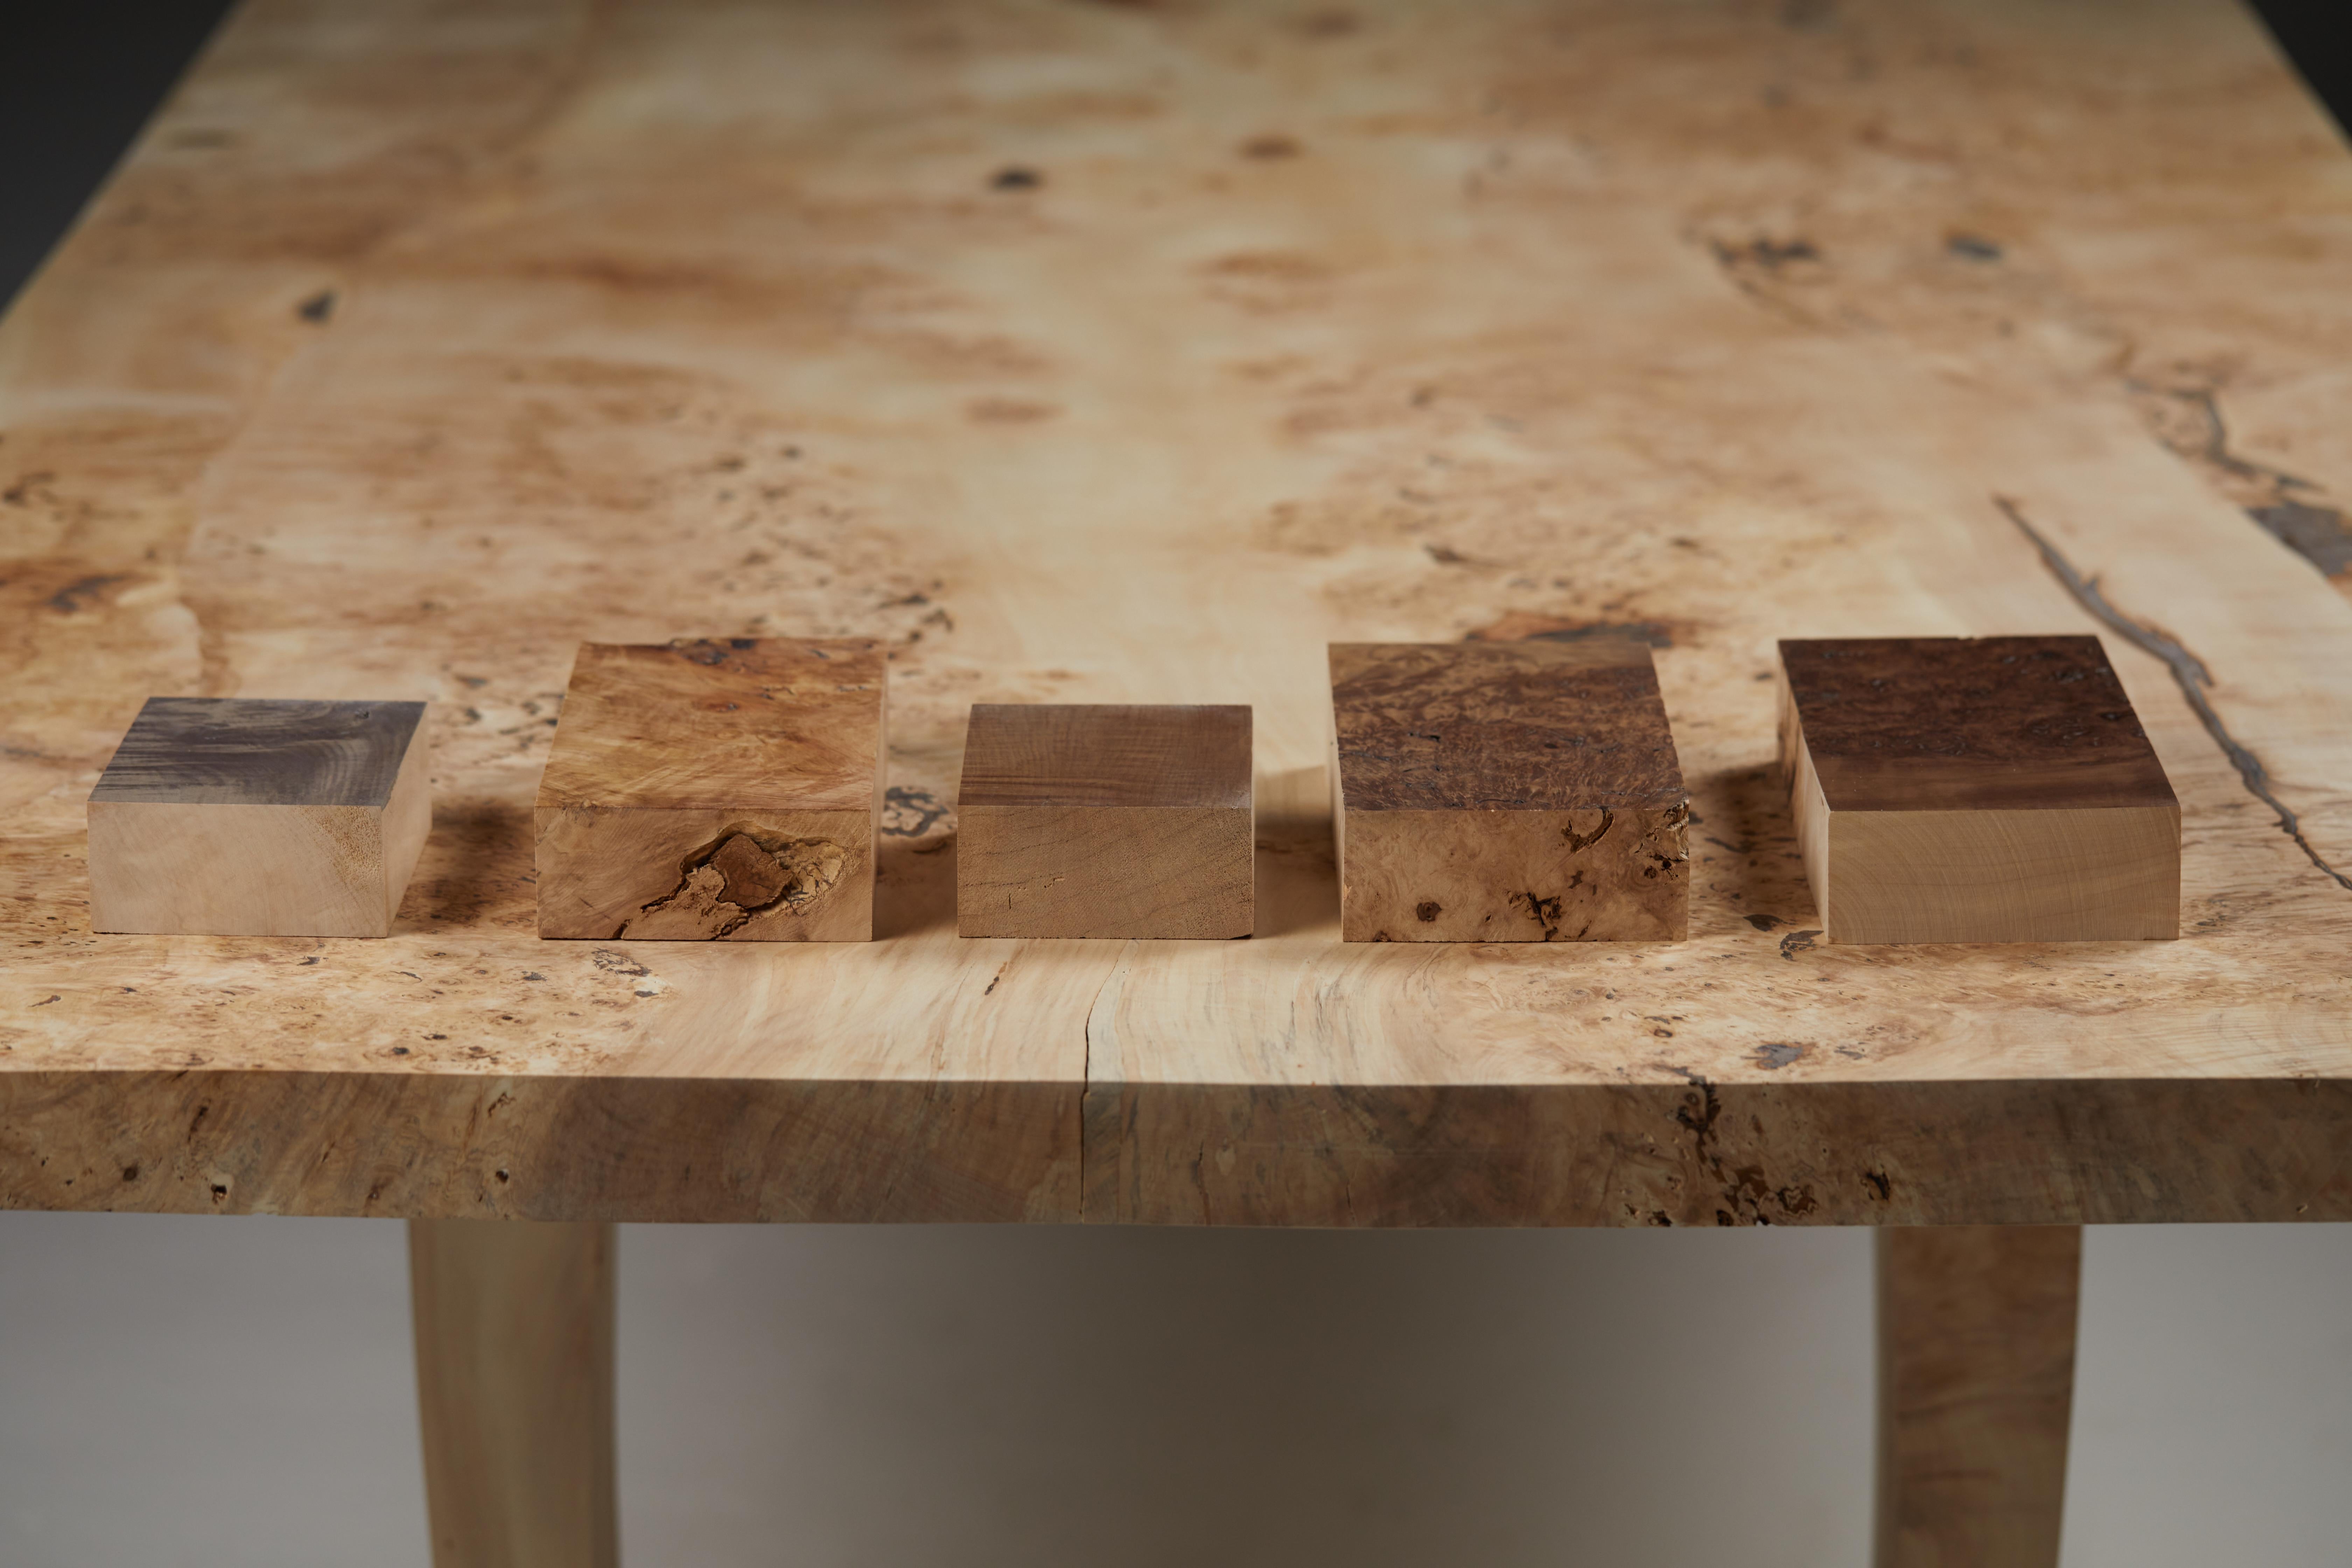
point(1118, 355)
point(1106, 820)
point(1968, 789)
point(700, 790)
point(515, 1392)
point(1507, 792)
point(1975, 1385)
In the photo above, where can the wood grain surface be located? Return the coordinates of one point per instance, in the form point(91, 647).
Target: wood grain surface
point(1976, 1390)
point(710, 790)
point(1976, 789)
point(1507, 792)
point(1106, 820)
point(406, 352)
point(228, 817)
point(515, 1392)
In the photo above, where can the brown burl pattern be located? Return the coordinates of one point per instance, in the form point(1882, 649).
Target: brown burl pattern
point(1969, 723)
point(1507, 791)
point(715, 790)
point(1503, 726)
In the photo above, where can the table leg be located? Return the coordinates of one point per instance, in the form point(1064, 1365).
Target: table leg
point(514, 1378)
point(1976, 1381)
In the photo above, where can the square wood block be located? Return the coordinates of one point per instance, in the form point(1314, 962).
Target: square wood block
point(1101, 821)
point(1976, 789)
point(715, 791)
point(1507, 792)
point(239, 816)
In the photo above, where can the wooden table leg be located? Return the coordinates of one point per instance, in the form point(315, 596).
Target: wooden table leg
point(514, 1378)
point(1976, 1381)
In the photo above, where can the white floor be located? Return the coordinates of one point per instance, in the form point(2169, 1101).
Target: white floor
point(237, 1391)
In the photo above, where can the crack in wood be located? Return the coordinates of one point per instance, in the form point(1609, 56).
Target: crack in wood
point(2189, 672)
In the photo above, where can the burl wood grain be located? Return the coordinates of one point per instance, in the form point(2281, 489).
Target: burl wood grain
point(715, 790)
point(1507, 792)
point(406, 353)
point(1106, 820)
point(1976, 789)
point(228, 817)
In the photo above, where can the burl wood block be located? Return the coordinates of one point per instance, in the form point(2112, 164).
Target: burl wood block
point(715, 791)
point(236, 816)
point(1976, 789)
point(1076, 821)
point(1507, 792)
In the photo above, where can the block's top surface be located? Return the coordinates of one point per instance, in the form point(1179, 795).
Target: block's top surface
point(242, 751)
point(1505, 726)
point(1106, 755)
point(1970, 724)
point(760, 723)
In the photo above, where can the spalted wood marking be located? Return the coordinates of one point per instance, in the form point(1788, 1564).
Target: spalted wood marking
point(230, 816)
point(1104, 820)
point(1527, 344)
point(1976, 789)
point(715, 790)
point(1507, 792)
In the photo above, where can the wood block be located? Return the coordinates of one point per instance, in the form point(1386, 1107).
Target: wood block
point(1976, 789)
point(1078, 821)
point(700, 791)
point(237, 816)
point(1507, 792)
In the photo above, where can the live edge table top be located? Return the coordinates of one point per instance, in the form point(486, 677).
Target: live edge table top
point(1116, 353)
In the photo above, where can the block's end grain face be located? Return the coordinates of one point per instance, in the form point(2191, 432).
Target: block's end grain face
point(1977, 789)
point(1507, 792)
point(1080, 820)
point(715, 790)
point(238, 750)
point(223, 816)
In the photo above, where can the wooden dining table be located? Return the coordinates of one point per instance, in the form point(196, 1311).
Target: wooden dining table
point(1134, 352)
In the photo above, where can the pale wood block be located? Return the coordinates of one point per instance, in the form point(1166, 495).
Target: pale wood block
point(1105, 821)
point(1507, 792)
point(1976, 1388)
point(239, 816)
point(1976, 789)
point(514, 1383)
point(715, 790)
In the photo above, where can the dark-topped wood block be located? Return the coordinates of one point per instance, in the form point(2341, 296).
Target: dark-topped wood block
point(715, 790)
point(1976, 789)
point(1507, 792)
point(1080, 820)
point(240, 817)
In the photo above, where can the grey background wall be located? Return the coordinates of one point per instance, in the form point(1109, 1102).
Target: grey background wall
point(201, 1392)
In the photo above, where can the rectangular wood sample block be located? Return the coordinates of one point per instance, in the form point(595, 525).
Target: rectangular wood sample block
point(1976, 789)
point(239, 816)
point(1507, 792)
point(1103, 821)
point(715, 791)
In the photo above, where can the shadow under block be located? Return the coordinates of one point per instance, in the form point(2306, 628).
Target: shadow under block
point(1507, 792)
point(1095, 821)
point(1976, 789)
point(702, 791)
point(237, 817)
